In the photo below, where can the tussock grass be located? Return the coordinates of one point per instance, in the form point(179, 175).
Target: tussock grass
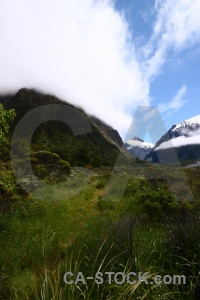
point(73, 229)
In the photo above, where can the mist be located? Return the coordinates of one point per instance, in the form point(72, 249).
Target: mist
point(192, 138)
point(79, 51)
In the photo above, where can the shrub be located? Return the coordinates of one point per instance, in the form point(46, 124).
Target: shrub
point(7, 183)
point(6, 117)
point(8, 190)
point(46, 166)
point(44, 156)
point(131, 188)
point(162, 203)
point(63, 168)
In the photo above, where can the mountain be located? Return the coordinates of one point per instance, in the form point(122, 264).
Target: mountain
point(100, 147)
point(138, 148)
point(184, 137)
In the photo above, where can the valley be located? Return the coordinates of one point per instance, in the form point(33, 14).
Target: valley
point(92, 207)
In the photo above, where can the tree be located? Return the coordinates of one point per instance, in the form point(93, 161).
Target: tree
point(6, 116)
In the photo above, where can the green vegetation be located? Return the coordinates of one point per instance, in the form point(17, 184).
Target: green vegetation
point(49, 166)
point(91, 149)
point(6, 117)
point(74, 229)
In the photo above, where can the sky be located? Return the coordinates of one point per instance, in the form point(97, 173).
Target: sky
point(107, 56)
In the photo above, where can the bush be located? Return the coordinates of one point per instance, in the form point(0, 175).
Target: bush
point(8, 190)
point(47, 166)
point(131, 188)
point(45, 157)
point(63, 168)
point(161, 203)
point(7, 183)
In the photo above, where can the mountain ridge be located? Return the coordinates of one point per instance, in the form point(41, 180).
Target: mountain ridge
point(100, 147)
point(138, 148)
point(184, 137)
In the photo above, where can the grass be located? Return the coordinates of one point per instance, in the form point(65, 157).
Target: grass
point(72, 229)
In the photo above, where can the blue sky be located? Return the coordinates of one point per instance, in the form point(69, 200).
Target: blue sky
point(179, 70)
point(108, 56)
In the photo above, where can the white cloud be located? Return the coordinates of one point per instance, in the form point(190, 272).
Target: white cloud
point(177, 27)
point(79, 50)
point(178, 22)
point(190, 133)
point(177, 102)
point(192, 139)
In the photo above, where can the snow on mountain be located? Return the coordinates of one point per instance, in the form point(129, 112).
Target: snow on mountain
point(184, 133)
point(138, 148)
point(184, 137)
point(192, 124)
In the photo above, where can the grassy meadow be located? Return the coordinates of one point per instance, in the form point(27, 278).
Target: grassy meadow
point(74, 227)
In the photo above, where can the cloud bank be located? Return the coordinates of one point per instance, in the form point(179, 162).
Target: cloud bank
point(82, 51)
point(192, 138)
point(79, 50)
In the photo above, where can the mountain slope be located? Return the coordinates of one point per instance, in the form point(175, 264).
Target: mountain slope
point(138, 148)
point(99, 147)
point(184, 137)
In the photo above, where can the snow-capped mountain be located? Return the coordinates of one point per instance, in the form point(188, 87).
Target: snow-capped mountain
point(138, 148)
point(191, 124)
point(184, 137)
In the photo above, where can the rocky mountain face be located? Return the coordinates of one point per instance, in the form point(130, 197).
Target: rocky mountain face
point(111, 134)
point(184, 137)
point(138, 148)
point(99, 147)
